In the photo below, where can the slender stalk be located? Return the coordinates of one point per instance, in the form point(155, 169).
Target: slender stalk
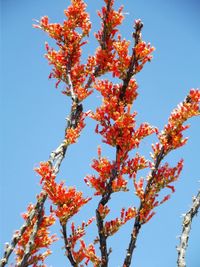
point(17, 236)
point(137, 224)
point(100, 221)
point(132, 243)
point(105, 198)
point(31, 241)
point(133, 62)
point(105, 28)
point(186, 227)
point(55, 159)
point(67, 246)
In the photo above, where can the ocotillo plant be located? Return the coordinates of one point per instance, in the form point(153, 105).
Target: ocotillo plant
point(120, 60)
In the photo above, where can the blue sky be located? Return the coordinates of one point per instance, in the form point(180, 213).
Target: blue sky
point(33, 119)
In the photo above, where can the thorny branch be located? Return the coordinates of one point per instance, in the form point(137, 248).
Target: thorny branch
point(55, 159)
point(105, 29)
point(138, 223)
point(187, 222)
point(31, 241)
point(100, 222)
point(67, 246)
point(17, 236)
point(105, 198)
point(133, 63)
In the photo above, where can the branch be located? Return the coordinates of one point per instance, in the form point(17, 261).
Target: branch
point(100, 221)
point(105, 198)
point(30, 244)
point(67, 246)
point(133, 62)
point(55, 160)
point(17, 236)
point(138, 223)
point(105, 28)
point(187, 222)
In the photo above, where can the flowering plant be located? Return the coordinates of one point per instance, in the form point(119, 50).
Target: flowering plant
point(116, 123)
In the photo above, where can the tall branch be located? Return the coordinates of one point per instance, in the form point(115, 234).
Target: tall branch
point(55, 159)
point(137, 224)
point(17, 236)
point(105, 198)
point(186, 227)
point(67, 246)
point(100, 221)
point(31, 241)
point(133, 62)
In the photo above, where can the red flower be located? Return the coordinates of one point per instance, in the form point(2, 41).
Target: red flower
point(42, 239)
point(68, 201)
point(171, 137)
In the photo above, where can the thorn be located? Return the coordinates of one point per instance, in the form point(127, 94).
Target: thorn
point(6, 245)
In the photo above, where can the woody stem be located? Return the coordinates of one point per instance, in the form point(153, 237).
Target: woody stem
point(67, 246)
point(137, 224)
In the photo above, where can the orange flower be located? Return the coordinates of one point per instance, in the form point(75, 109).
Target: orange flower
point(171, 137)
point(111, 227)
point(66, 61)
point(68, 201)
point(72, 134)
point(163, 178)
point(42, 239)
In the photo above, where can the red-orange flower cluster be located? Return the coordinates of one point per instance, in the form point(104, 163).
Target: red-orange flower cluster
point(72, 134)
point(172, 137)
point(117, 123)
point(78, 233)
point(68, 201)
point(66, 61)
point(105, 170)
point(103, 211)
point(123, 58)
point(133, 165)
point(42, 239)
point(84, 252)
point(111, 19)
point(162, 178)
point(111, 227)
point(143, 54)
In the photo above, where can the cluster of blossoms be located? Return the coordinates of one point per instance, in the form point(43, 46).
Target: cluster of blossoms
point(163, 177)
point(73, 133)
point(171, 137)
point(143, 54)
point(67, 60)
point(42, 239)
point(68, 201)
point(111, 19)
point(116, 123)
point(84, 253)
point(88, 254)
point(111, 227)
point(105, 171)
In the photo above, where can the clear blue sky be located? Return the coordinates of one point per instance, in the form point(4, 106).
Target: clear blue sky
point(33, 119)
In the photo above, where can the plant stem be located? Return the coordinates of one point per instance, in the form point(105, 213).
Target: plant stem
point(186, 227)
